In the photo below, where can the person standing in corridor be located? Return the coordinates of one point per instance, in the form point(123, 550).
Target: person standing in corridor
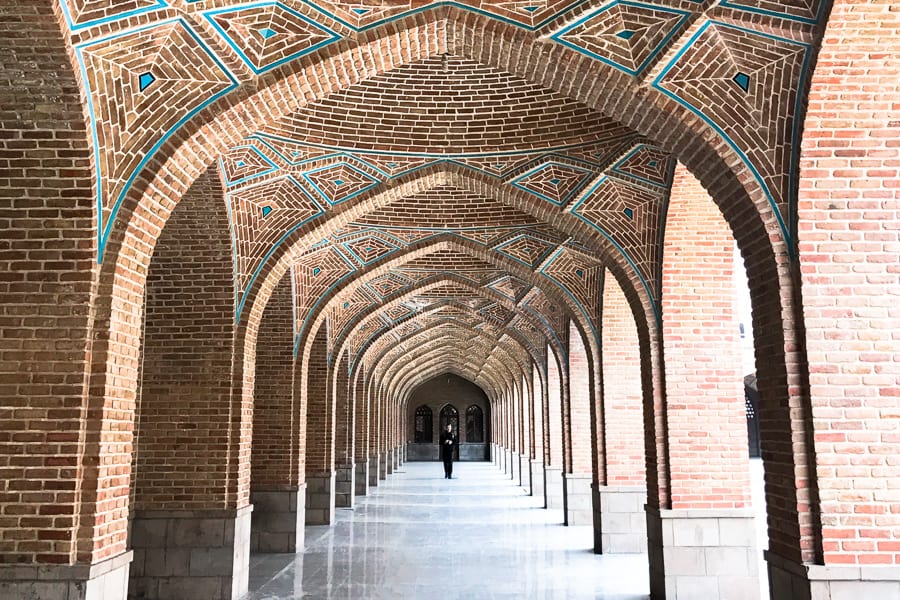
point(448, 445)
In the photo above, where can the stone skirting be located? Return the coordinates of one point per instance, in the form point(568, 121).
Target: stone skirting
point(373, 471)
point(702, 554)
point(343, 485)
point(278, 520)
point(537, 480)
point(382, 466)
point(577, 502)
point(361, 481)
point(553, 488)
point(788, 579)
point(185, 555)
point(106, 580)
point(620, 524)
point(320, 498)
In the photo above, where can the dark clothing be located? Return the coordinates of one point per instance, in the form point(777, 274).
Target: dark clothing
point(448, 445)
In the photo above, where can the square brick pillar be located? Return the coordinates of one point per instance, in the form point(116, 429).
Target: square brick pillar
point(620, 523)
point(525, 473)
point(788, 579)
point(553, 487)
point(537, 480)
point(344, 485)
point(699, 554)
point(320, 493)
point(395, 454)
point(382, 466)
point(277, 524)
point(577, 499)
point(373, 471)
point(185, 555)
point(362, 478)
point(106, 580)
point(389, 462)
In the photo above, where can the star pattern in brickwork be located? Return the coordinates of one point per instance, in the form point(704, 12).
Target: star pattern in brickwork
point(648, 164)
point(388, 284)
point(316, 274)
point(245, 163)
point(370, 248)
point(526, 249)
point(510, 287)
point(581, 276)
point(347, 308)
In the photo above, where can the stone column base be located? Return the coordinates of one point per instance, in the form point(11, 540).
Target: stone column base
point(577, 504)
point(343, 485)
point(509, 461)
point(620, 525)
point(537, 480)
point(495, 455)
point(373, 471)
point(320, 488)
point(514, 473)
point(553, 487)
point(525, 473)
point(702, 554)
point(362, 477)
point(106, 580)
point(185, 555)
point(788, 579)
point(277, 524)
point(382, 466)
point(389, 462)
point(396, 454)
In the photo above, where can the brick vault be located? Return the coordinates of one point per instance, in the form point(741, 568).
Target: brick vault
point(239, 240)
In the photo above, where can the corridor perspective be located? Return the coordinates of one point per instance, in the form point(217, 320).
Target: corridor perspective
point(478, 536)
point(259, 256)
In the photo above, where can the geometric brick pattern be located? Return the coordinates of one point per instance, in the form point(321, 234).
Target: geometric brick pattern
point(648, 164)
point(554, 182)
point(339, 182)
point(316, 274)
point(243, 163)
point(269, 34)
point(625, 35)
point(526, 249)
point(804, 11)
point(580, 275)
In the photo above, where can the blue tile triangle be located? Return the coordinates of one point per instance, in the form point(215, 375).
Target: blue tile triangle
point(266, 32)
point(626, 34)
point(629, 213)
point(360, 11)
point(531, 9)
point(266, 210)
point(555, 181)
point(144, 80)
point(653, 163)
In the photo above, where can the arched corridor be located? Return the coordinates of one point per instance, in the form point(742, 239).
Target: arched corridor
point(257, 256)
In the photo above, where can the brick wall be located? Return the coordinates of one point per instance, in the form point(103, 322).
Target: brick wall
point(47, 269)
point(184, 423)
point(276, 424)
point(849, 244)
point(580, 399)
point(622, 399)
point(437, 393)
point(705, 415)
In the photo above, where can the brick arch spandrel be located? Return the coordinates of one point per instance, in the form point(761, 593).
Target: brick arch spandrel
point(846, 317)
point(433, 363)
point(47, 307)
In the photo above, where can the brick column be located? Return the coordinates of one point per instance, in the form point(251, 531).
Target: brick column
point(620, 523)
point(702, 545)
point(538, 487)
point(320, 403)
point(577, 495)
point(849, 250)
point(277, 488)
point(553, 467)
point(363, 431)
point(345, 425)
point(191, 515)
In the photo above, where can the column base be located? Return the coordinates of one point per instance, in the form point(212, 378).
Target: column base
point(389, 462)
point(620, 525)
point(508, 462)
point(362, 477)
point(106, 580)
point(373, 471)
point(788, 579)
point(537, 480)
point(553, 487)
point(277, 524)
point(525, 472)
point(320, 498)
point(577, 504)
point(395, 454)
point(382, 466)
point(343, 486)
point(514, 473)
point(702, 554)
point(495, 454)
point(185, 555)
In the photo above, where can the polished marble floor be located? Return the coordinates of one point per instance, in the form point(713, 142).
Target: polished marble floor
point(420, 536)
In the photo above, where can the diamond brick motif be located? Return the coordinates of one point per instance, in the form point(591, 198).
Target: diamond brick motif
point(369, 248)
point(353, 182)
point(626, 35)
point(526, 249)
point(553, 182)
point(80, 14)
point(244, 163)
point(268, 34)
point(579, 275)
point(648, 164)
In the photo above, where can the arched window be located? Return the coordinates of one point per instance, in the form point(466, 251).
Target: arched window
point(474, 424)
point(424, 433)
point(450, 415)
